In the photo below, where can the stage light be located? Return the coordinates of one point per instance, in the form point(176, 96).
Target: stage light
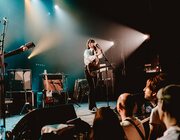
point(146, 36)
point(21, 49)
point(112, 43)
point(56, 7)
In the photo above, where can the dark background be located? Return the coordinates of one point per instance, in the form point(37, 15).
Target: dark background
point(157, 18)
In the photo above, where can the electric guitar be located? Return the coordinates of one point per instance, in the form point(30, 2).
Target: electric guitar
point(48, 93)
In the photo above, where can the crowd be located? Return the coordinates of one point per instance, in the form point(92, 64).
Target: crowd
point(122, 123)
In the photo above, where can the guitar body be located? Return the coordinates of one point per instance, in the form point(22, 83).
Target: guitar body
point(48, 96)
point(93, 67)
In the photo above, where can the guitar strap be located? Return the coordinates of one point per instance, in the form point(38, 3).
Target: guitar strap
point(92, 52)
point(137, 128)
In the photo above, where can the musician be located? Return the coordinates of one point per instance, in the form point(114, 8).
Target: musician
point(92, 54)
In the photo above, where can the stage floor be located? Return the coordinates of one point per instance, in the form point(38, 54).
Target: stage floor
point(81, 111)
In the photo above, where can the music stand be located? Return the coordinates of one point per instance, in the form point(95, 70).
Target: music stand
point(26, 105)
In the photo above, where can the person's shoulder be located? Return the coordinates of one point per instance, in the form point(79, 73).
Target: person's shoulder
point(170, 136)
point(86, 50)
point(154, 116)
point(154, 111)
point(137, 121)
point(125, 123)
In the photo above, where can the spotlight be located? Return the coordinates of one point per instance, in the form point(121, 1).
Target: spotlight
point(112, 43)
point(56, 7)
point(146, 36)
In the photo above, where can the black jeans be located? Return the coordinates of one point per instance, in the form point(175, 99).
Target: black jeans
point(92, 89)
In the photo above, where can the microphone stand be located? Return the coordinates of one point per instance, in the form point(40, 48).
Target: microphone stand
point(106, 78)
point(2, 76)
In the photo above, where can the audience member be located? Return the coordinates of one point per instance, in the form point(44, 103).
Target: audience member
point(168, 101)
point(126, 107)
point(153, 84)
point(106, 125)
point(73, 129)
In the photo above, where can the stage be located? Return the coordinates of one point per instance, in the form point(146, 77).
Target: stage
point(81, 112)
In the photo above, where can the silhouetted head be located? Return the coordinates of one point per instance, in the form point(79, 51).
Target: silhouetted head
point(106, 125)
point(169, 102)
point(126, 104)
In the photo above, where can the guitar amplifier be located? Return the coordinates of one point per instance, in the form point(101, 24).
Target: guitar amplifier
point(53, 86)
point(52, 76)
point(54, 81)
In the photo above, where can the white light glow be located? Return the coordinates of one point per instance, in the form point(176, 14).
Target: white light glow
point(56, 7)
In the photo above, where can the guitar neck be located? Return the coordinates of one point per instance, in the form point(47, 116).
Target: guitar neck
point(46, 80)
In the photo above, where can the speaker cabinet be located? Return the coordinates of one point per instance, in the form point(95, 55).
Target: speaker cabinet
point(29, 127)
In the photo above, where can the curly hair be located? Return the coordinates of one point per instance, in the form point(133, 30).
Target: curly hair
point(158, 82)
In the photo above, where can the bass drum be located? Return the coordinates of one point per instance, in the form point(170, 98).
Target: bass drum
point(81, 89)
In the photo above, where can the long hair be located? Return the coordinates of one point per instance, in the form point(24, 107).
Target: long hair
point(106, 125)
point(89, 41)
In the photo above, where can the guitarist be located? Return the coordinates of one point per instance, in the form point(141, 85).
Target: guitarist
point(92, 54)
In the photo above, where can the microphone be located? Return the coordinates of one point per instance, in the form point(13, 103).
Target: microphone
point(98, 46)
point(5, 20)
